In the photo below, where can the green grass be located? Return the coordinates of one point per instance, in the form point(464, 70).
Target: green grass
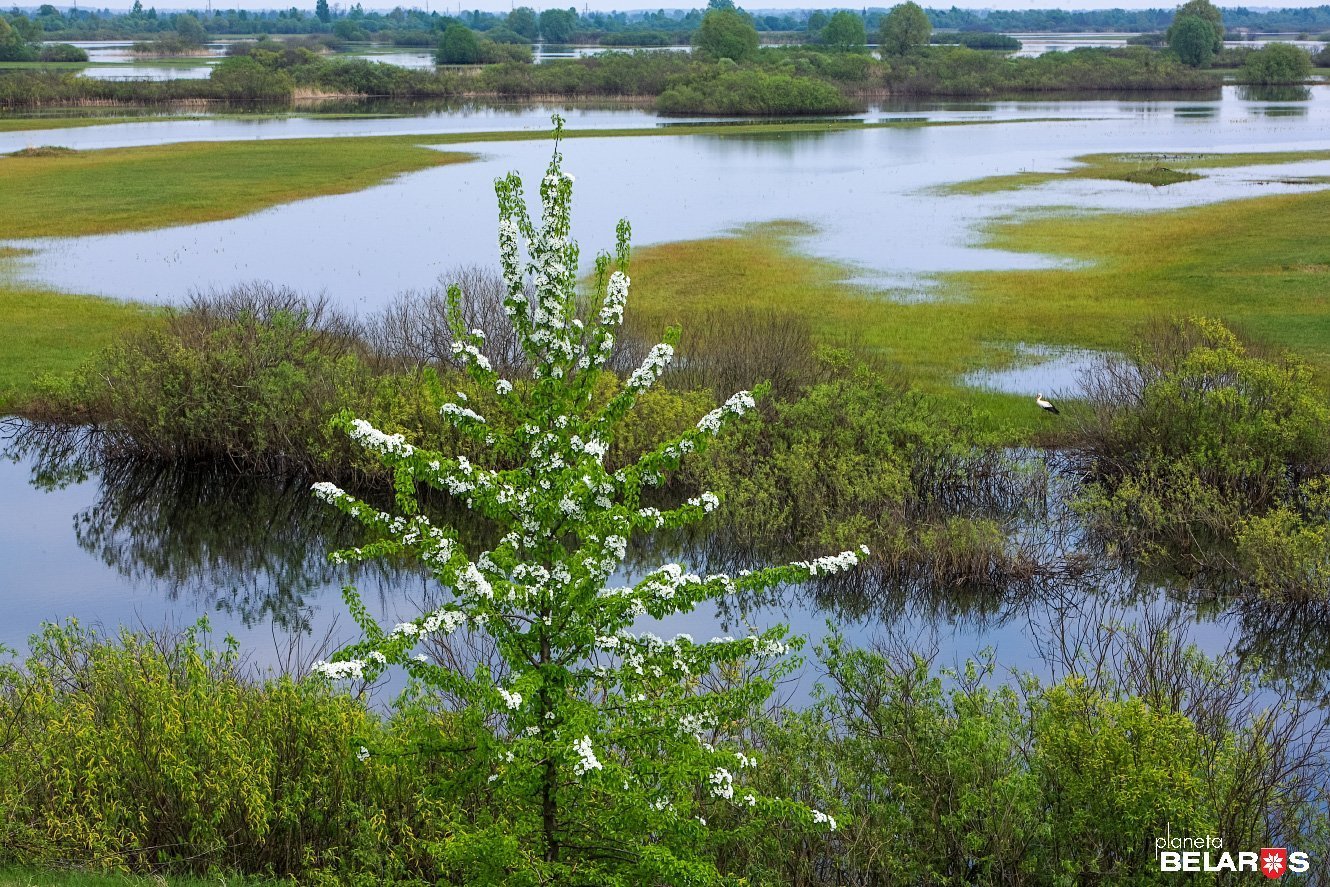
point(47, 332)
point(31, 877)
point(23, 124)
point(1149, 169)
point(1263, 265)
point(123, 189)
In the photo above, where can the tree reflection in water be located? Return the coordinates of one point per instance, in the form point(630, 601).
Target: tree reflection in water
point(257, 548)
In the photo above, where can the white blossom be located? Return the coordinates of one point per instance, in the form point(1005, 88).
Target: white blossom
point(819, 818)
point(344, 670)
point(651, 368)
point(458, 413)
point(372, 438)
point(722, 783)
point(328, 492)
point(708, 502)
point(833, 563)
point(738, 404)
point(587, 760)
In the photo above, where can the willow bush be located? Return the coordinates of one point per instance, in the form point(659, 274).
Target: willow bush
point(1199, 452)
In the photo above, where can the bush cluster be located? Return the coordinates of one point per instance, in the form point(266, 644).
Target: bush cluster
point(163, 754)
point(961, 71)
point(1198, 450)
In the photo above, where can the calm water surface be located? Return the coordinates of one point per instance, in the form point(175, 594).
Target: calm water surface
point(871, 196)
point(153, 547)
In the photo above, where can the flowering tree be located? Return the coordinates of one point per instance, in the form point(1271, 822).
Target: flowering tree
point(606, 747)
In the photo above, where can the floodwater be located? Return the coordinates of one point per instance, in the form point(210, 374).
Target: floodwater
point(1039, 369)
point(150, 548)
point(872, 195)
point(147, 71)
point(1038, 44)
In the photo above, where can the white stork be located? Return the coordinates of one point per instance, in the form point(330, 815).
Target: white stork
point(1045, 405)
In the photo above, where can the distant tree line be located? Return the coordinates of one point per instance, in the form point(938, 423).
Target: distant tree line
point(416, 27)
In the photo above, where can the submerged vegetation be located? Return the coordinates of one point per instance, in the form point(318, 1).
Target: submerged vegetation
point(1197, 451)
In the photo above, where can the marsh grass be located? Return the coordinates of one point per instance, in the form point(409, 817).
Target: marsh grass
point(1257, 264)
point(45, 332)
point(1146, 169)
point(124, 189)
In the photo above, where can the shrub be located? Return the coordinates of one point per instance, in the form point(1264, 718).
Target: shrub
point(982, 40)
point(866, 457)
point(1192, 39)
point(139, 752)
point(1276, 63)
point(1193, 436)
point(726, 34)
point(956, 777)
point(61, 52)
point(458, 46)
point(844, 32)
point(249, 377)
point(902, 29)
point(749, 91)
point(244, 79)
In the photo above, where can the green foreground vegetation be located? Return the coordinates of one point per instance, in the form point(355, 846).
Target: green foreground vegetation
point(132, 753)
point(31, 876)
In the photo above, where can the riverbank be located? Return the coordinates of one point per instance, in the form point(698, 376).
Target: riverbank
point(55, 194)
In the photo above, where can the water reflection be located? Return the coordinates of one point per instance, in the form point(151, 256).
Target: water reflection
point(152, 543)
point(1275, 93)
point(204, 535)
